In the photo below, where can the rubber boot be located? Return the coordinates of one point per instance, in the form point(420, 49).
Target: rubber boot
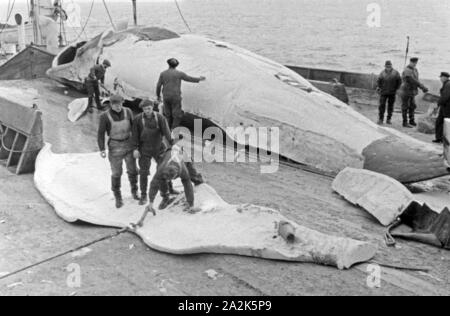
point(380, 122)
point(134, 186)
point(389, 122)
point(412, 120)
point(405, 119)
point(116, 184)
point(172, 191)
point(144, 185)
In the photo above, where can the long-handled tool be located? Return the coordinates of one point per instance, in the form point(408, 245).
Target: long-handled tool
point(140, 223)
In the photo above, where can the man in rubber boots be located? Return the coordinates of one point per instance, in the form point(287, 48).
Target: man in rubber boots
point(170, 85)
point(444, 107)
point(174, 164)
point(151, 139)
point(117, 124)
point(409, 90)
point(388, 83)
point(92, 82)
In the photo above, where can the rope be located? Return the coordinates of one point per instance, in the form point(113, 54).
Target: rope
point(85, 24)
point(109, 15)
point(182, 16)
point(7, 10)
point(111, 236)
point(8, 17)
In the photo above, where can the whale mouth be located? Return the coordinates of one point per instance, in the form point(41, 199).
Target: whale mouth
point(67, 55)
point(403, 160)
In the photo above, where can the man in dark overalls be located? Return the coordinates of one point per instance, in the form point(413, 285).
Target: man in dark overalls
point(444, 107)
point(96, 76)
point(117, 124)
point(151, 138)
point(389, 81)
point(409, 90)
point(174, 164)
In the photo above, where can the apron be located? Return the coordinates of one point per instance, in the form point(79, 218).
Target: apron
point(120, 136)
point(151, 137)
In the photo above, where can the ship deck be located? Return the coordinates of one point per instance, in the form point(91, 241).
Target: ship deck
point(38, 247)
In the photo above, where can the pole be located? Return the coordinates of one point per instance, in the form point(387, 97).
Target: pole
point(135, 12)
point(407, 50)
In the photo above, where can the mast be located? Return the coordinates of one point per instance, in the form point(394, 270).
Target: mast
point(134, 12)
point(34, 15)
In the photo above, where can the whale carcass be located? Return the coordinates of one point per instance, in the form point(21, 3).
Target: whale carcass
point(244, 89)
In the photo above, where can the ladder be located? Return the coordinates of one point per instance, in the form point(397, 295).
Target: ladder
point(21, 136)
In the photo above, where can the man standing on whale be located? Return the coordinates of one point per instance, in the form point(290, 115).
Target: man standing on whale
point(170, 85)
point(151, 139)
point(117, 124)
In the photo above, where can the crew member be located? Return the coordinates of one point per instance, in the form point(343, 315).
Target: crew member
point(174, 164)
point(96, 76)
point(388, 83)
point(151, 138)
point(444, 107)
point(409, 90)
point(170, 85)
point(117, 124)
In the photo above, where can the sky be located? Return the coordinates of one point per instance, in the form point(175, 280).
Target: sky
point(24, 1)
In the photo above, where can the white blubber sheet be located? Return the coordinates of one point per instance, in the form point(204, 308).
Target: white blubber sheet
point(78, 187)
point(77, 108)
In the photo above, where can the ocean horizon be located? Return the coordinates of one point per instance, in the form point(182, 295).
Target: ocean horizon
point(330, 34)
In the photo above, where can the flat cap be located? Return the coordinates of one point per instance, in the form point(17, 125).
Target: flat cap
point(116, 99)
point(145, 103)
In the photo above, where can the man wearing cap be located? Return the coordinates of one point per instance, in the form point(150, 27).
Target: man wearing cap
point(151, 138)
point(409, 90)
point(388, 83)
point(444, 107)
point(170, 85)
point(117, 124)
point(96, 75)
point(175, 164)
